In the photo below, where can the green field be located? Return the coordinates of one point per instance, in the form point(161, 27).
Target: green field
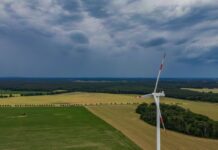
point(58, 128)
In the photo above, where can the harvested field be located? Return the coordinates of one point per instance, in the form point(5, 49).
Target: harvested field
point(124, 118)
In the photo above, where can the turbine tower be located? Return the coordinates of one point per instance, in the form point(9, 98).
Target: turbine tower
point(156, 95)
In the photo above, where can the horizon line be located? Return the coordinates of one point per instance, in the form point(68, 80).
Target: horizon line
point(17, 77)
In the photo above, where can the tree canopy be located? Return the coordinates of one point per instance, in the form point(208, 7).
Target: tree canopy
point(181, 120)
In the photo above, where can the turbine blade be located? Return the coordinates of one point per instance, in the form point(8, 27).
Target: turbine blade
point(161, 119)
point(159, 73)
point(158, 108)
point(146, 96)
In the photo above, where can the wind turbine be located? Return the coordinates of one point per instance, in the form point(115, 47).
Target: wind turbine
point(156, 95)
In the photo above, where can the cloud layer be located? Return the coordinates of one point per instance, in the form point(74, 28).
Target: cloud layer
point(119, 38)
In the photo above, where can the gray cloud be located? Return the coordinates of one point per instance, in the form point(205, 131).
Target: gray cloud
point(96, 8)
point(79, 37)
point(100, 37)
point(155, 42)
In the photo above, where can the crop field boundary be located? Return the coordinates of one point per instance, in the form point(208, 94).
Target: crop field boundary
point(63, 105)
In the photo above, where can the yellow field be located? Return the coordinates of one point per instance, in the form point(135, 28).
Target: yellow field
point(72, 98)
point(208, 109)
point(124, 118)
point(205, 90)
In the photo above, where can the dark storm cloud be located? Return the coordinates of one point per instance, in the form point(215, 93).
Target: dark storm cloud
point(155, 42)
point(100, 37)
point(96, 8)
point(180, 42)
point(70, 5)
point(195, 16)
point(28, 40)
point(62, 19)
point(80, 38)
point(208, 58)
point(74, 9)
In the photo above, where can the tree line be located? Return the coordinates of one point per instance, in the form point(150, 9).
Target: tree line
point(179, 119)
point(172, 87)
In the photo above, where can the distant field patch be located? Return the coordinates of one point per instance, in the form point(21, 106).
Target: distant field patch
point(14, 93)
point(205, 90)
point(124, 118)
point(58, 128)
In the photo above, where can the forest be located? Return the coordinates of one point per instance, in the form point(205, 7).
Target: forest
point(172, 87)
point(179, 119)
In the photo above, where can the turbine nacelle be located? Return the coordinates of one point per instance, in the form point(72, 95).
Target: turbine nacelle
point(161, 94)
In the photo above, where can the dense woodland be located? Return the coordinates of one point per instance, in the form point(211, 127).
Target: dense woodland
point(181, 120)
point(172, 87)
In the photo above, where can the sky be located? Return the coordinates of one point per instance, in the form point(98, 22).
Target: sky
point(108, 38)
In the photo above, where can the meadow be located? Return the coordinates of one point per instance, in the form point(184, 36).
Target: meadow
point(57, 129)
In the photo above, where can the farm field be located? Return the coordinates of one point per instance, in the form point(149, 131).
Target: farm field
point(17, 93)
point(67, 121)
point(205, 90)
point(124, 118)
point(73, 98)
point(58, 128)
point(12, 93)
point(208, 109)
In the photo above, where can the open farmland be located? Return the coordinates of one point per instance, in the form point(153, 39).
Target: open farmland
point(208, 109)
point(58, 128)
point(109, 108)
point(124, 118)
point(73, 98)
